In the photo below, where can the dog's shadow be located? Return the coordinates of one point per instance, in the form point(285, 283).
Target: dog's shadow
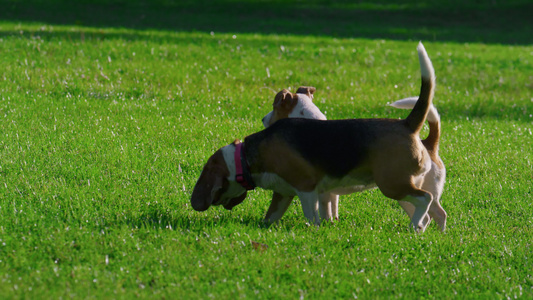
point(190, 221)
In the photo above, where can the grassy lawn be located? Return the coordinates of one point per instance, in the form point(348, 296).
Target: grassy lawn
point(109, 110)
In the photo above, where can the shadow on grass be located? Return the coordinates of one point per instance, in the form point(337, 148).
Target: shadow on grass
point(497, 21)
point(156, 219)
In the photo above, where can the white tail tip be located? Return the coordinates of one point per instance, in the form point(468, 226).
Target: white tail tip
point(426, 67)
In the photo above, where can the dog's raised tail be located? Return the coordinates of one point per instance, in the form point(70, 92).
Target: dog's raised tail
point(433, 118)
point(418, 115)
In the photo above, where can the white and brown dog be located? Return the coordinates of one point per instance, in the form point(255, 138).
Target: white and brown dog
point(299, 105)
point(307, 157)
point(302, 106)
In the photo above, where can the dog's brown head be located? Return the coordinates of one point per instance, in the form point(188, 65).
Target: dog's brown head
point(216, 186)
point(289, 105)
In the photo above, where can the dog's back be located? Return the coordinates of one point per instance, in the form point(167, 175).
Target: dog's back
point(336, 147)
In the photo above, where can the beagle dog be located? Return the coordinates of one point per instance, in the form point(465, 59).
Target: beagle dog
point(299, 106)
point(307, 157)
point(302, 106)
point(434, 180)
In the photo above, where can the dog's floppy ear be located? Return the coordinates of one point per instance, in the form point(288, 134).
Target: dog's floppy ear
point(209, 186)
point(284, 99)
point(308, 90)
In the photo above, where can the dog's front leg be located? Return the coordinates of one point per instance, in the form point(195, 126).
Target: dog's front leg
point(277, 208)
point(324, 206)
point(335, 206)
point(309, 202)
point(328, 206)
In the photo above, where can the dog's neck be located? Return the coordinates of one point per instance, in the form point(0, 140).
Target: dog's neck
point(242, 171)
point(231, 156)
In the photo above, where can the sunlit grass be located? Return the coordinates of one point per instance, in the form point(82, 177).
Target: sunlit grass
point(103, 133)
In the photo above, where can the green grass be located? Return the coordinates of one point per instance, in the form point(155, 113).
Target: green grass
point(106, 123)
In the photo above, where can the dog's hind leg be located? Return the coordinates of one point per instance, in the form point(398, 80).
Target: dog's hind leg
point(434, 183)
point(415, 201)
point(409, 208)
point(309, 202)
point(438, 213)
point(421, 200)
point(277, 208)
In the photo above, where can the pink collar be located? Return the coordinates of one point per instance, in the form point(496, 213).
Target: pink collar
point(242, 176)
